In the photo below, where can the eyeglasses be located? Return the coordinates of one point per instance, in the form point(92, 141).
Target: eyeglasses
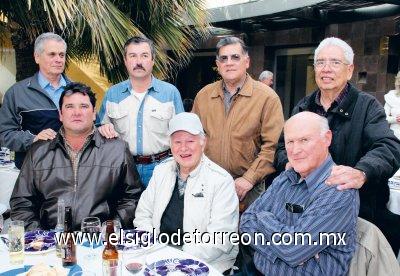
point(333, 63)
point(225, 58)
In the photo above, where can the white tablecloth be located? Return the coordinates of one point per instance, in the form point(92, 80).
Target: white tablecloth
point(155, 254)
point(8, 176)
point(394, 199)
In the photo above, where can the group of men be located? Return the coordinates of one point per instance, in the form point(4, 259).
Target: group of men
point(336, 154)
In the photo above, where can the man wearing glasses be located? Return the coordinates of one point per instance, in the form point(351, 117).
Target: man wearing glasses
point(242, 119)
point(363, 147)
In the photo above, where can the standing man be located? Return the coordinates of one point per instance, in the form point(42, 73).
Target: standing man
point(363, 146)
point(30, 107)
point(96, 175)
point(267, 77)
point(242, 119)
point(139, 109)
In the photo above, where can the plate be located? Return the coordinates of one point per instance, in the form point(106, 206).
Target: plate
point(20, 270)
point(39, 241)
point(186, 266)
point(136, 240)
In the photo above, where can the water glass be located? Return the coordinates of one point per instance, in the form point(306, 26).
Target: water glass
point(133, 259)
point(91, 226)
point(117, 228)
point(16, 235)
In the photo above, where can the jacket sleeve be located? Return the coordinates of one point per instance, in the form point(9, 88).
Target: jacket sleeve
point(381, 147)
point(271, 128)
point(224, 217)
point(281, 159)
point(145, 209)
point(25, 196)
point(129, 190)
point(11, 134)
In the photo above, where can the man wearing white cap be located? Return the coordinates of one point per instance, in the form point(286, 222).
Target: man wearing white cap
point(191, 194)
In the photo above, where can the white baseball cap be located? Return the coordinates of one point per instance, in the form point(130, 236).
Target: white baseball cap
point(185, 121)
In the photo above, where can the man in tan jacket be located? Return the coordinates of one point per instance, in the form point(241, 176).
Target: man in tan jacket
point(242, 119)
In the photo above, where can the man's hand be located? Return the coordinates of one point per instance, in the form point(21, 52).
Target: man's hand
point(346, 178)
point(46, 134)
point(108, 131)
point(242, 186)
point(288, 166)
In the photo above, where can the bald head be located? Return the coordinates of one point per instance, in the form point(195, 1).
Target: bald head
point(307, 141)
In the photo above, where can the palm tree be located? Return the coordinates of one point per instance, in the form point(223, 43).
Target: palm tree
point(99, 28)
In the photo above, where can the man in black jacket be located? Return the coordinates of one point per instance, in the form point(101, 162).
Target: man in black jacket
point(96, 176)
point(363, 146)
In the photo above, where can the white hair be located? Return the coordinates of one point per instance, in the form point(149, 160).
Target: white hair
point(334, 41)
point(323, 124)
point(265, 74)
point(202, 137)
point(41, 39)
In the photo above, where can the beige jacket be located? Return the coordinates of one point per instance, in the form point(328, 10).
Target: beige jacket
point(374, 256)
point(243, 142)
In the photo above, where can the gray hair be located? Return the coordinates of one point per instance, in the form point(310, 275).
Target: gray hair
point(140, 39)
point(265, 74)
point(41, 39)
point(323, 124)
point(334, 41)
point(202, 137)
point(229, 41)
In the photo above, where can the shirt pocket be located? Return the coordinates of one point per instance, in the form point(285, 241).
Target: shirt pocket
point(120, 119)
point(159, 117)
point(292, 218)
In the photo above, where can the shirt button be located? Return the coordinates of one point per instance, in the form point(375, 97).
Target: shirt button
point(341, 110)
point(346, 113)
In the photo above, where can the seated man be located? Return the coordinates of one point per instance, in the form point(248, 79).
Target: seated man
point(189, 193)
point(97, 176)
point(299, 201)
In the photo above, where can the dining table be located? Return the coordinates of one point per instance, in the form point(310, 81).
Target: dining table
point(8, 176)
point(157, 253)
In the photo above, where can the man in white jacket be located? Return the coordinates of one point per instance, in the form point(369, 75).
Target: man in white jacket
point(191, 198)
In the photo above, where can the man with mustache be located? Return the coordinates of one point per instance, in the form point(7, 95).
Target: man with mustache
point(30, 107)
point(139, 109)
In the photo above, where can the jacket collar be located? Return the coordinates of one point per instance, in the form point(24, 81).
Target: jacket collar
point(344, 109)
point(33, 83)
point(96, 139)
point(246, 90)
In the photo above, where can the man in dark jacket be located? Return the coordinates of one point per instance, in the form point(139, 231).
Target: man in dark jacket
point(30, 107)
point(96, 176)
point(363, 146)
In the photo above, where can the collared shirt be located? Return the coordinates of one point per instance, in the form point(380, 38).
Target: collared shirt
point(320, 109)
point(74, 155)
point(228, 97)
point(53, 92)
point(142, 123)
point(181, 182)
point(325, 209)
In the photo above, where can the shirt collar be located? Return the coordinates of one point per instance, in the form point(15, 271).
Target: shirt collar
point(44, 83)
point(314, 178)
point(338, 100)
point(154, 85)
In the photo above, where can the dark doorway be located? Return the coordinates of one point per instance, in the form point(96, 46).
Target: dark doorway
point(200, 72)
point(294, 73)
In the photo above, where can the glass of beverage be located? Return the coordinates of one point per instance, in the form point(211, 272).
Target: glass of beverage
point(117, 228)
point(133, 259)
point(16, 235)
point(91, 226)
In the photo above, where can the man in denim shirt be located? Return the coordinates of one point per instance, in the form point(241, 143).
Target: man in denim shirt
point(139, 109)
point(299, 201)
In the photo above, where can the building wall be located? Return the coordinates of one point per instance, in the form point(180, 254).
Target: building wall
point(375, 43)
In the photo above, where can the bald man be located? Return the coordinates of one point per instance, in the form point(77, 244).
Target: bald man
point(299, 201)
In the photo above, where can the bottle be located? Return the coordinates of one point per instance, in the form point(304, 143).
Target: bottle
point(110, 253)
point(60, 223)
point(69, 247)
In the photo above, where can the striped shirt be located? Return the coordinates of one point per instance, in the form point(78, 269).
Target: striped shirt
point(326, 209)
point(338, 100)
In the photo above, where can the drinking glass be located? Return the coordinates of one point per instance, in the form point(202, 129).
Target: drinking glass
point(92, 227)
point(16, 235)
point(117, 228)
point(133, 259)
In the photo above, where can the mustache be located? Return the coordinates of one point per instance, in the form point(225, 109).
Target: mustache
point(139, 66)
